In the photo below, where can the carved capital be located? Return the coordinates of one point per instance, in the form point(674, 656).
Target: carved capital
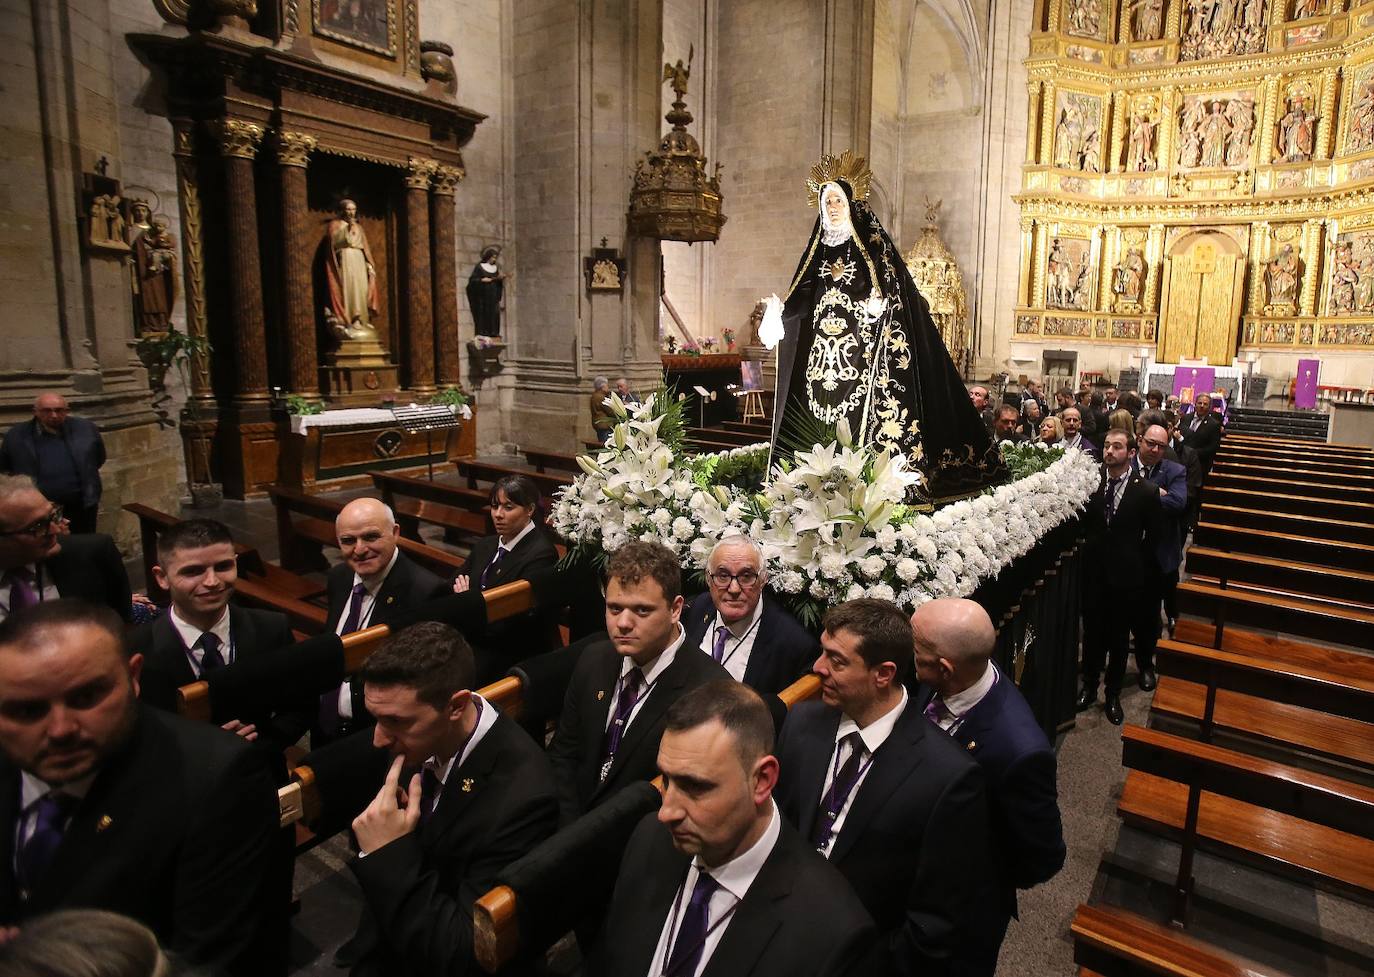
point(294, 148)
point(447, 178)
point(183, 137)
point(419, 172)
point(236, 137)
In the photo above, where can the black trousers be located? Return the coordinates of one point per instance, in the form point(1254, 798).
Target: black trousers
point(1108, 616)
point(1159, 589)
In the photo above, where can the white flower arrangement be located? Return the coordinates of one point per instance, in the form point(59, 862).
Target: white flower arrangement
point(833, 527)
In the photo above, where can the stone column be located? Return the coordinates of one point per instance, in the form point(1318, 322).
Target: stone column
point(419, 284)
point(442, 214)
point(193, 255)
point(238, 143)
point(293, 155)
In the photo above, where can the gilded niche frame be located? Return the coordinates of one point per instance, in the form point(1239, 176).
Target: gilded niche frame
point(327, 21)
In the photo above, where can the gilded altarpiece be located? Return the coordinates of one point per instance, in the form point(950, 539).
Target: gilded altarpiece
point(1232, 204)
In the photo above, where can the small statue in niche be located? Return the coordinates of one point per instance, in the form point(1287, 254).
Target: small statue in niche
point(1364, 288)
point(1147, 20)
point(1128, 278)
point(1343, 281)
point(154, 276)
point(1085, 17)
point(1141, 154)
point(1057, 266)
point(1066, 136)
point(1308, 8)
point(1214, 130)
point(1296, 131)
point(1361, 135)
point(350, 276)
point(486, 286)
point(1281, 276)
point(107, 221)
point(1240, 113)
point(605, 274)
point(1091, 158)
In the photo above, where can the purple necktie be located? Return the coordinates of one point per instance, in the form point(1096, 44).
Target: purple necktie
point(355, 608)
point(936, 710)
point(1111, 497)
point(490, 568)
point(624, 705)
point(690, 942)
point(50, 817)
point(429, 792)
point(833, 800)
point(22, 594)
point(210, 658)
point(718, 649)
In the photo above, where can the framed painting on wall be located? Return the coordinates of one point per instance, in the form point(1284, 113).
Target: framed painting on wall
point(367, 24)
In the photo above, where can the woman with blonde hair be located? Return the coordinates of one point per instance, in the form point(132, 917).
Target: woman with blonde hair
point(82, 943)
point(1051, 430)
point(1121, 420)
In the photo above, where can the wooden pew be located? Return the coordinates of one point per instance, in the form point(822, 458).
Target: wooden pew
point(479, 471)
point(737, 439)
point(1318, 827)
point(1289, 484)
point(1241, 439)
point(542, 460)
point(1291, 502)
point(507, 600)
point(1325, 709)
point(1282, 460)
point(305, 527)
point(495, 916)
point(415, 500)
point(1227, 466)
point(1216, 534)
point(1322, 527)
point(1305, 617)
point(1112, 942)
point(1308, 579)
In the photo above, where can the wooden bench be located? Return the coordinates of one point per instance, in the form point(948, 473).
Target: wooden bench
point(736, 439)
point(1291, 459)
point(1293, 820)
point(1308, 579)
point(1112, 942)
point(1289, 484)
point(1322, 527)
point(1325, 710)
point(759, 431)
point(460, 510)
point(305, 527)
point(1227, 466)
point(484, 472)
point(1291, 502)
point(542, 460)
point(495, 915)
point(1305, 617)
point(1295, 545)
point(1239, 439)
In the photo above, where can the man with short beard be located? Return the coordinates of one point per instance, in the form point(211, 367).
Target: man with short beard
point(1072, 419)
point(108, 804)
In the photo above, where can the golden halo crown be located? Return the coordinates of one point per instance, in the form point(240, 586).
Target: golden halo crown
point(845, 167)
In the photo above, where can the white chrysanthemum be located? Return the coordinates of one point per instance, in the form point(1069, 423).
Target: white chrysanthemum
point(872, 566)
point(854, 592)
point(683, 528)
point(927, 550)
point(881, 591)
point(908, 569)
point(834, 565)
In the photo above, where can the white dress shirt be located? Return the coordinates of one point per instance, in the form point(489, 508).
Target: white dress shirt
point(874, 735)
point(958, 705)
point(47, 593)
point(364, 615)
point(485, 721)
point(190, 639)
point(735, 877)
point(739, 645)
point(651, 675)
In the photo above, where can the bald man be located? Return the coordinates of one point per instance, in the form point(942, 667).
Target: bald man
point(375, 584)
point(62, 454)
point(968, 697)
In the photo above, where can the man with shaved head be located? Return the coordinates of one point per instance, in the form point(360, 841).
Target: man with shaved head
point(969, 697)
point(375, 584)
point(62, 454)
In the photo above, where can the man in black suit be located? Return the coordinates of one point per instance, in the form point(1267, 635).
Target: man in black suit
point(1006, 424)
point(1072, 419)
point(481, 795)
point(758, 642)
point(981, 708)
point(1202, 431)
point(1122, 525)
point(1171, 478)
point(716, 884)
point(613, 712)
point(375, 584)
point(204, 631)
point(39, 563)
point(897, 807)
point(63, 455)
point(109, 804)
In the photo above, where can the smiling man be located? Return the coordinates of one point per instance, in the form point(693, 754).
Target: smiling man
point(613, 712)
point(375, 584)
point(738, 625)
point(109, 804)
point(203, 631)
point(898, 807)
point(754, 899)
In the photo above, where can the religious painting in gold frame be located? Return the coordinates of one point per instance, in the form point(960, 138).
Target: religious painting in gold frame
point(371, 25)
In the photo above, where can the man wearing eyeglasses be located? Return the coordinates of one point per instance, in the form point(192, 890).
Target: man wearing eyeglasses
point(755, 639)
point(62, 454)
point(1171, 478)
point(39, 563)
point(375, 584)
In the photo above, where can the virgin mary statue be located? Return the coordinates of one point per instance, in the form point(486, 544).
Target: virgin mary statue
point(858, 343)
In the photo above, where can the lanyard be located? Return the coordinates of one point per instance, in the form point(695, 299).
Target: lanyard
point(724, 659)
point(672, 931)
point(834, 803)
point(615, 731)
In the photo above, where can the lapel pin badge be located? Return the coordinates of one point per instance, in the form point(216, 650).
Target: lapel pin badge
point(104, 822)
point(467, 785)
point(391, 600)
point(600, 695)
point(972, 745)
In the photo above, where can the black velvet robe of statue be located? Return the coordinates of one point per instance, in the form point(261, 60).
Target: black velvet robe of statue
point(891, 378)
point(484, 298)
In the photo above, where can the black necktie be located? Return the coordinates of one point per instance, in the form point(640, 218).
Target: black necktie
point(1111, 497)
point(210, 658)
